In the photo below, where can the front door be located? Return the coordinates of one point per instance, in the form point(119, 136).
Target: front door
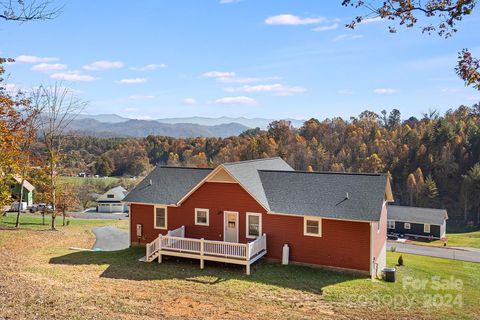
point(230, 226)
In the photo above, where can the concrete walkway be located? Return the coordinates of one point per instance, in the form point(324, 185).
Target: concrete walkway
point(464, 254)
point(110, 239)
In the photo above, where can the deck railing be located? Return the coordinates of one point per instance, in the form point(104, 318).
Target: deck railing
point(175, 243)
point(203, 247)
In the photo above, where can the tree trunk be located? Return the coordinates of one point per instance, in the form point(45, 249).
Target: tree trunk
point(465, 208)
point(63, 218)
point(43, 218)
point(17, 222)
point(53, 220)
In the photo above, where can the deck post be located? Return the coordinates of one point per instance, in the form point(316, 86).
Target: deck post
point(202, 246)
point(248, 268)
point(159, 239)
point(183, 231)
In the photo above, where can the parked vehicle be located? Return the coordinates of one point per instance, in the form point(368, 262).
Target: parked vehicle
point(40, 207)
point(14, 206)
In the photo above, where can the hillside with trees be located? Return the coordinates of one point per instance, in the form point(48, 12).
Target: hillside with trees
point(433, 161)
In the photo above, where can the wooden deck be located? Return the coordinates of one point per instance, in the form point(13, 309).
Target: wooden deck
point(175, 244)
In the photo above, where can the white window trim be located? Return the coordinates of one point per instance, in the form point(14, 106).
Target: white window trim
point(260, 226)
point(407, 224)
point(305, 233)
point(208, 217)
point(155, 217)
point(390, 224)
point(425, 229)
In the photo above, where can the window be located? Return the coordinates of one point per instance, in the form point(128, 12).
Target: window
point(201, 217)
point(254, 225)
point(110, 196)
point(391, 224)
point(160, 217)
point(426, 228)
point(406, 226)
point(312, 227)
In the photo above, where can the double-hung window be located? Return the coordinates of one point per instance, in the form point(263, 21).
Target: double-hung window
point(312, 227)
point(407, 226)
point(201, 217)
point(426, 228)
point(254, 225)
point(160, 218)
point(391, 224)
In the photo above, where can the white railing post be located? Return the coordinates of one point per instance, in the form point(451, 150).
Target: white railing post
point(159, 239)
point(247, 251)
point(182, 232)
point(202, 249)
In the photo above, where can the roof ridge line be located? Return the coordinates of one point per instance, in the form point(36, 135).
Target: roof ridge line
point(175, 167)
point(252, 160)
point(379, 174)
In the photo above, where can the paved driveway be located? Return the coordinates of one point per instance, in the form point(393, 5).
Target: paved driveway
point(110, 239)
point(464, 254)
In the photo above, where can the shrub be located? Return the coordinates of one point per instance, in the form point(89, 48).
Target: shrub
point(393, 249)
point(400, 261)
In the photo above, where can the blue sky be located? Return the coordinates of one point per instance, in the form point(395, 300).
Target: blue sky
point(253, 58)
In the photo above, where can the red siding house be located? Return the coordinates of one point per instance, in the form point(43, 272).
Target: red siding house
point(242, 211)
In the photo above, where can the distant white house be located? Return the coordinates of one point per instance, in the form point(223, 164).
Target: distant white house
point(111, 201)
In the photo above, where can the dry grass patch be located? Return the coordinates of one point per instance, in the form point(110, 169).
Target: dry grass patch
point(40, 278)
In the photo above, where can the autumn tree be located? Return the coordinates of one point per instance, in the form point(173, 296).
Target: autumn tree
point(60, 107)
point(13, 127)
point(67, 200)
point(472, 181)
point(442, 17)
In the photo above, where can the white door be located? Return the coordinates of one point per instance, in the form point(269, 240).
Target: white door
point(230, 226)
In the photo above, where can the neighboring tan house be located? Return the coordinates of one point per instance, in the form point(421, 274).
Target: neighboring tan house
point(417, 222)
point(27, 191)
point(242, 211)
point(111, 201)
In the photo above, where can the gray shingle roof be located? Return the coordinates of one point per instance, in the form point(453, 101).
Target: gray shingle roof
point(417, 215)
point(325, 194)
point(279, 188)
point(246, 172)
point(118, 194)
point(169, 185)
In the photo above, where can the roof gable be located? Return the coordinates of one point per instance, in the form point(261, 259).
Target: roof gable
point(167, 185)
point(118, 194)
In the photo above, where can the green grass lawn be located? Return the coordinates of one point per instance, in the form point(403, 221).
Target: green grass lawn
point(462, 239)
point(80, 181)
point(109, 285)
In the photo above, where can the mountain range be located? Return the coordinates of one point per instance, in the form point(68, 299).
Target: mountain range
point(113, 125)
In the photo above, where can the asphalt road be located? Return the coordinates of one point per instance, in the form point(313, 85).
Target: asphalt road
point(465, 254)
point(110, 239)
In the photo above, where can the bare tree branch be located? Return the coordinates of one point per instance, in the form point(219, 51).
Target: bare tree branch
point(25, 10)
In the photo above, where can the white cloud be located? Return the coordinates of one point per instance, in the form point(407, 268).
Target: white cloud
point(474, 98)
point(72, 76)
point(189, 101)
point(450, 90)
point(149, 67)
point(11, 88)
point(218, 74)
point(236, 100)
point(246, 79)
point(348, 37)
point(372, 20)
point(103, 65)
point(131, 81)
point(34, 59)
point(277, 88)
point(292, 20)
point(47, 67)
point(385, 91)
point(141, 97)
point(131, 109)
point(326, 28)
point(229, 1)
